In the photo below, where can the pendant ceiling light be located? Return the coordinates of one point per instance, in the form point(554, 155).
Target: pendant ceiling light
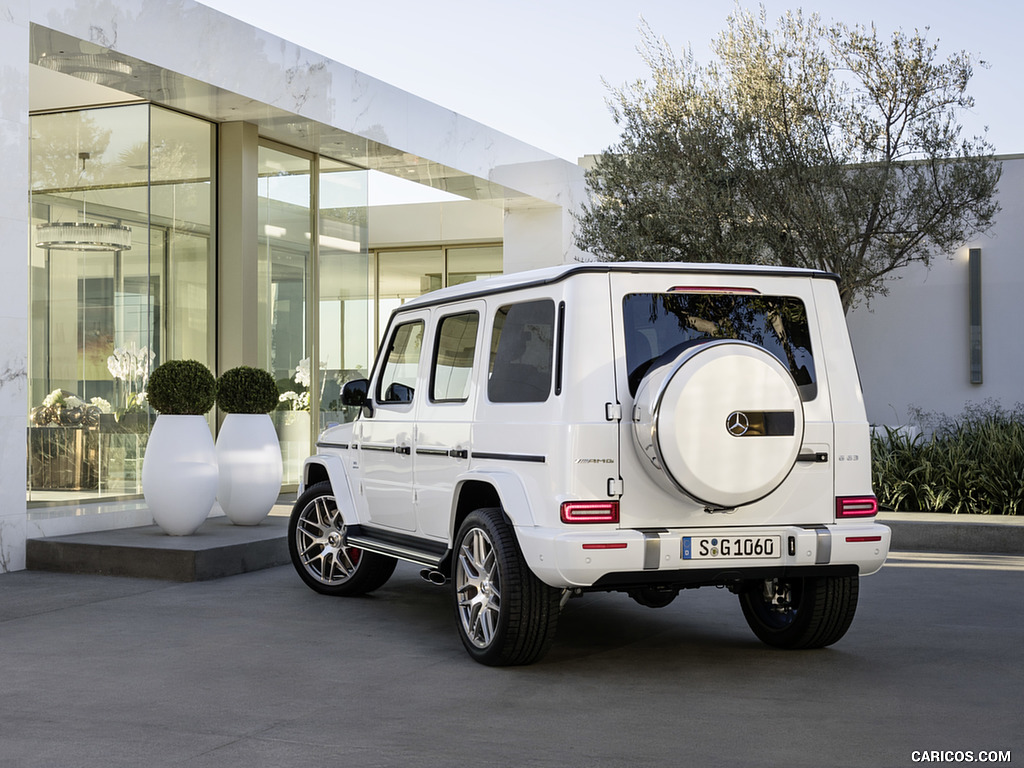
point(83, 235)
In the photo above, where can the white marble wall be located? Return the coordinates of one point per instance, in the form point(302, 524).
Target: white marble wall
point(14, 219)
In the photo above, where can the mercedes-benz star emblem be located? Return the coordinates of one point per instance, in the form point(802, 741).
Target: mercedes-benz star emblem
point(737, 423)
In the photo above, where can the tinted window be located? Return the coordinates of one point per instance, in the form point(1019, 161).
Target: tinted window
point(453, 357)
point(401, 363)
point(522, 345)
point(659, 326)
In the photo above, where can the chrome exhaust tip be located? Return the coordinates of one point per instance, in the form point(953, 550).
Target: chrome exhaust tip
point(433, 577)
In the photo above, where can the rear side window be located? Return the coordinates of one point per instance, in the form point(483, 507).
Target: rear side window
point(401, 364)
point(659, 326)
point(453, 358)
point(522, 348)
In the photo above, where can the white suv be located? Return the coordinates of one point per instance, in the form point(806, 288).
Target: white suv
point(641, 428)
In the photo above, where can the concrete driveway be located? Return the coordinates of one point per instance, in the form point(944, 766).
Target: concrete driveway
point(257, 670)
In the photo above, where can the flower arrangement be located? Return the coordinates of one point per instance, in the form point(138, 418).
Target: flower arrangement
point(62, 408)
point(129, 365)
point(299, 401)
point(296, 401)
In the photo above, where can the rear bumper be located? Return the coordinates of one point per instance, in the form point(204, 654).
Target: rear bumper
point(609, 558)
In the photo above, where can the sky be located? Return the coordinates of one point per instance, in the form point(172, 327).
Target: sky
point(537, 69)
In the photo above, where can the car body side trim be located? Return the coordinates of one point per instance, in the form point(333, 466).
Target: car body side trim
point(509, 457)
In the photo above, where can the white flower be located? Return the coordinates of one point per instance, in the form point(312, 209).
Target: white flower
point(130, 362)
point(302, 373)
point(298, 401)
point(102, 404)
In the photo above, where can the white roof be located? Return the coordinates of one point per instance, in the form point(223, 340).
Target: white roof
point(501, 283)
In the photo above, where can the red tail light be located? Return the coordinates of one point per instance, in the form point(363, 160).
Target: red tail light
point(590, 512)
point(856, 506)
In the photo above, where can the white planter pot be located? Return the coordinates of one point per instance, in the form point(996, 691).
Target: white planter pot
point(249, 458)
point(179, 473)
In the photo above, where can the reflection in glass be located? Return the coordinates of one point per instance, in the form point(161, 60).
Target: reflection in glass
point(100, 320)
point(345, 298)
point(285, 345)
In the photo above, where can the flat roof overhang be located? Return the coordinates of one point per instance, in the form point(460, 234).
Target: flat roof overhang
point(194, 59)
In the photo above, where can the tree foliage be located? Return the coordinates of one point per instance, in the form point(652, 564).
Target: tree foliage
point(807, 145)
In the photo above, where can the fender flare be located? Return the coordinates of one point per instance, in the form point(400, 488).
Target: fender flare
point(334, 466)
point(515, 501)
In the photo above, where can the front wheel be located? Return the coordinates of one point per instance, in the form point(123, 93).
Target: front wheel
point(319, 551)
point(800, 613)
point(504, 613)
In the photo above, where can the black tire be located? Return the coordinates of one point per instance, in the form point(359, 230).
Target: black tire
point(505, 615)
point(801, 613)
point(316, 543)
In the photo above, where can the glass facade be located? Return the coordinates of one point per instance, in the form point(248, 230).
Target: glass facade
point(284, 284)
point(345, 299)
point(104, 311)
point(123, 276)
point(403, 274)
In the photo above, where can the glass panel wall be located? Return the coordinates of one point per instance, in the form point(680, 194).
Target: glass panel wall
point(345, 292)
point(403, 274)
point(285, 287)
point(121, 208)
point(473, 262)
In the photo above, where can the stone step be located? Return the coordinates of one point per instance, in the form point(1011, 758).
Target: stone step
point(219, 548)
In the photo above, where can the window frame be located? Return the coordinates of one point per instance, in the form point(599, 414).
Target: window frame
point(438, 337)
point(551, 357)
point(378, 392)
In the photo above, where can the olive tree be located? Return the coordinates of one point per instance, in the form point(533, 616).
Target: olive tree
point(807, 144)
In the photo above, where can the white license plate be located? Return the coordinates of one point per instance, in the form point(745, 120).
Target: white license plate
point(731, 547)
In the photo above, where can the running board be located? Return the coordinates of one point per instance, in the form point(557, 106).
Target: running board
point(398, 545)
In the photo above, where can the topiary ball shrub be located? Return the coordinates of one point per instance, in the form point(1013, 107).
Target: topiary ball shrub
point(182, 388)
point(246, 390)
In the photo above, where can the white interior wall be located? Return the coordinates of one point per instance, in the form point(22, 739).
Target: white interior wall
point(450, 223)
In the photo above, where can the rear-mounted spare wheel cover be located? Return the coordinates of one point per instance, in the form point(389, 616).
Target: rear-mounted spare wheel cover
point(722, 423)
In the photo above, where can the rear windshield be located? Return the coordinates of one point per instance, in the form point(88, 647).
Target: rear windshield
point(659, 326)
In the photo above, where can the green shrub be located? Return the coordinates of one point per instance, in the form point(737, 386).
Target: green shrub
point(973, 463)
point(246, 390)
point(182, 388)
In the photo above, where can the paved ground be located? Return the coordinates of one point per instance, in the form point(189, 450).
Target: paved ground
point(256, 670)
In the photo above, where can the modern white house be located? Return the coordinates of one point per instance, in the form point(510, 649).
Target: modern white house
point(199, 188)
point(952, 334)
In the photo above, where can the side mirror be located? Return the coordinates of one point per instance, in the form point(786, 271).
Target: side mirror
point(357, 393)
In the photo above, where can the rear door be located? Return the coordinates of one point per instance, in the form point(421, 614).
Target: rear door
point(445, 414)
point(656, 318)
